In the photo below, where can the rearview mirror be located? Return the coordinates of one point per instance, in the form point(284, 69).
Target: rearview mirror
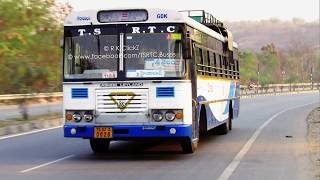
point(61, 43)
point(230, 40)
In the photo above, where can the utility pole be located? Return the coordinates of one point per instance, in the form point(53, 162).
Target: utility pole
point(283, 75)
point(311, 74)
point(258, 73)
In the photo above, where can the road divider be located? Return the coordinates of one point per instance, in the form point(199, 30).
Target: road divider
point(30, 96)
point(278, 94)
point(275, 89)
point(250, 90)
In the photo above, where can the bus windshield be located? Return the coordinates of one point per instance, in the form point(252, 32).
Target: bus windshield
point(145, 55)
point(154, 55)
point(85, 57)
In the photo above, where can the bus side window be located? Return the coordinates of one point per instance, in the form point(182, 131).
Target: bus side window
point(225, 66)
point(205, 62)
point(220, 66)
point(213, 63)
point(237, 67)
point(202, 68)
point(230, 69)
point(233, 69)
point(216, 67)
point(198, 60)
point(209, 64)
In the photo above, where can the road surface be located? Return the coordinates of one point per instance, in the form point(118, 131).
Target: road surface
point(268, 141)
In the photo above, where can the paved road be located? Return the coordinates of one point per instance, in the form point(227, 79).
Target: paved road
point(12, 112)
point(266, 145)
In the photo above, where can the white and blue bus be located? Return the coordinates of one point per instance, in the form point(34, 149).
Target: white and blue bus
point(133, 74)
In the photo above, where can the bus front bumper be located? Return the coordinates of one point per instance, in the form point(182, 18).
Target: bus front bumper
point(131, 131)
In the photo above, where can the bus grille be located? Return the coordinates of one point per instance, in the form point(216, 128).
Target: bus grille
point(121, 101)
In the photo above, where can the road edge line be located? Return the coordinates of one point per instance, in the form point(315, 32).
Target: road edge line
point(47, 164)
point(27, 133)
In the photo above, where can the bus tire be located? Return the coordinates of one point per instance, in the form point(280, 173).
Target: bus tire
point(188, 146)
point(230, 124)
point(99, 145)
point(203, 121)
point(230, 116)
point(224, 128)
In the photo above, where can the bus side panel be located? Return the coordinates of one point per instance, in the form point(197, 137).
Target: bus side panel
point(236, 102)
point(210, 89)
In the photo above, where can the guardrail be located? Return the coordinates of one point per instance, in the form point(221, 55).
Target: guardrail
point(30, 96)
point(245, 90)
point(278, 88)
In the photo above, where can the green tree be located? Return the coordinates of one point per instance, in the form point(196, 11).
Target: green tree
point(248, 67)
point(316, 68)
point(268, 65)
point(30, 58)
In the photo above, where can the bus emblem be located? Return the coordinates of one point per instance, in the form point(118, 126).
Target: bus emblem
point(122, 99)
point(122, 103)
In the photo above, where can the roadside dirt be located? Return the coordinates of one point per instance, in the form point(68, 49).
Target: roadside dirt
point(313, 135)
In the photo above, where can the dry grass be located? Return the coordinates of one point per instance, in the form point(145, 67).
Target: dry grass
point(313, 121)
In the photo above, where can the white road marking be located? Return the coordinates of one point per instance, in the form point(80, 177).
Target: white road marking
point(30, 132)
point(46, 164)
point(228, 171)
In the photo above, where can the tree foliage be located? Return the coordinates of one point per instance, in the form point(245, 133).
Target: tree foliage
point(30, 57)
point(274, 66)
point(248, 66)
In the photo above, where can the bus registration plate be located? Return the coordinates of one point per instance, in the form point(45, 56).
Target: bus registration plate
point(102, 132)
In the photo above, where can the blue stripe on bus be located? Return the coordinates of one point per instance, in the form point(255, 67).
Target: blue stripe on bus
point(231, 95)
point(131, 131)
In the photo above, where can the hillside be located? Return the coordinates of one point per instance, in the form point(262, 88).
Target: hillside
point(283, 34)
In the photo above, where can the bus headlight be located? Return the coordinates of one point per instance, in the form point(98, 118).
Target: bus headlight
point(157, 116)
point(170, 115)
point(77, 117)
point(88, 116)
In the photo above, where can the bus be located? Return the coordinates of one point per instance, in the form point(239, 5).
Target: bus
point(148, 74)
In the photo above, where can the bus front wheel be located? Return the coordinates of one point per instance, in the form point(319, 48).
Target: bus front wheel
point(189, 146)
point(99, 145)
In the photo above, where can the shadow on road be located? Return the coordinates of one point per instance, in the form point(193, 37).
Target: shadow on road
point(133, 151)
point(145, 150)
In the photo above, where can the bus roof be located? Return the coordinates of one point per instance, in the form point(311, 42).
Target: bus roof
point(89, 17)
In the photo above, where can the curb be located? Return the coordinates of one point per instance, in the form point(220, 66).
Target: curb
point(30, 126)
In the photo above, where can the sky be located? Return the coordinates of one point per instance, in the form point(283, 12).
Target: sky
point(226, 10)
